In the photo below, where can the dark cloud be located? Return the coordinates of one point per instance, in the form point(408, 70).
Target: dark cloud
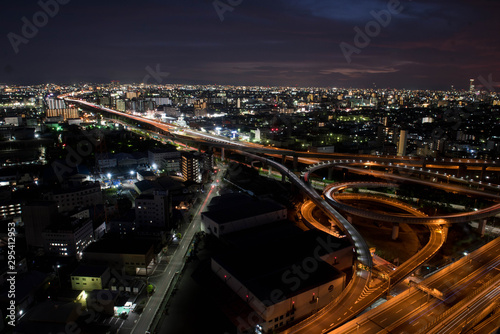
point(428, 45)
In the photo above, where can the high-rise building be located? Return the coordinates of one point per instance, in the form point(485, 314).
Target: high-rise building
point(403, 139)
point(165, 158)
point(120, 105)
point(68, 237)
point(257, 135)
point(152, 210)
point(208, 162)
point(471, 85)
point(88, 194)
point(65, 113)
point(56, 104)
point(190, 166)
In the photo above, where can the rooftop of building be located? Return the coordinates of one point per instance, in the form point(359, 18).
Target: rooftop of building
point(66, 224)
point(163, 183)
point(151, 196)
point(116, 245)
point(231, 207)
point(41, 203)
point(88, 270)
point(77, 187)
point(262, 258)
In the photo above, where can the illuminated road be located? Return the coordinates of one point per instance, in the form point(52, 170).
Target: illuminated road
point(307, 157)
point(464, 314)
point(176, 263)
point(418, 310)
point(489, 325)
point(340, 314)
point(409, 170)
point(330, 191)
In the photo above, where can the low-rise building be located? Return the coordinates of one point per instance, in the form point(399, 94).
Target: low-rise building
point(87, 194)
point(129, 256)
point(165, 158)
point(153, 210)
point(280, 273)
point(90, 277)
point(68, 236)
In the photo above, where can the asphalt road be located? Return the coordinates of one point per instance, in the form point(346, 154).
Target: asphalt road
point(413, 311)
point(362, 296)
point(176, 264)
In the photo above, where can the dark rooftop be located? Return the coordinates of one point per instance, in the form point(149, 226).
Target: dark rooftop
point(89, 270)
point(122, 246)
point(231, 207)
point(261, 256)
point(66, 224)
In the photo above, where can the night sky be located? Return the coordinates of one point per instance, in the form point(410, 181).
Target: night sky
point(429, 45)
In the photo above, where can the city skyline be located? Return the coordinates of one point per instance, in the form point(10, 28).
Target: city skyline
point(418, 45)
point(249, 167)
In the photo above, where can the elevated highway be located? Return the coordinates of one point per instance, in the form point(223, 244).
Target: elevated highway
point(304, 157)
point(419, 311)
point(339, 315)
point(333, 199)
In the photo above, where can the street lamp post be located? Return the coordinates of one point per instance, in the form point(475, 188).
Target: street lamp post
point(56, 269)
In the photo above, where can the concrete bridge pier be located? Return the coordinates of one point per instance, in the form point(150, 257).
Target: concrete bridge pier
point(349, 218)
point(395, 231)
point(283, 178)
point(295, 162)
point(269, 170)
point(283, 159)
point(481, 227)
point(222, 155)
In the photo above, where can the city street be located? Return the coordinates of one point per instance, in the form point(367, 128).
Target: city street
point(175, 265)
